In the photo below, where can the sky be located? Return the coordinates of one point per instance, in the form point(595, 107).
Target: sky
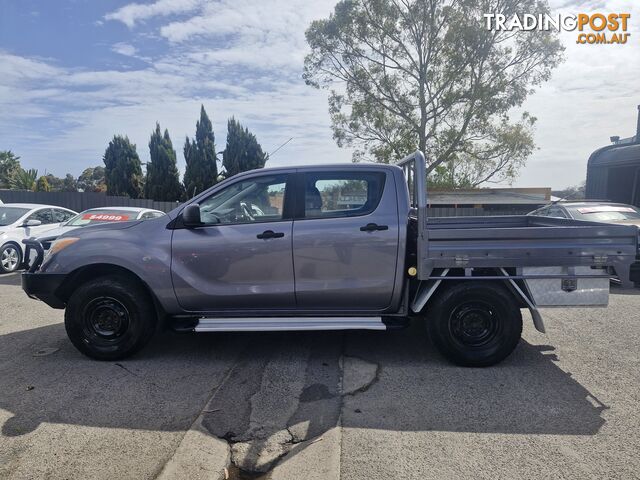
point(75, 72)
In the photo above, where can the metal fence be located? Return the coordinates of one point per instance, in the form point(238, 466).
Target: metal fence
point(80, 201)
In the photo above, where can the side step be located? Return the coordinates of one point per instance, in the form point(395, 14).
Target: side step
point(276, 324)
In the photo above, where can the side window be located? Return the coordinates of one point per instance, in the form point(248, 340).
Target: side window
point(342, 194)
point(43, 215)
point(259, 199)
point(556, 212)
point(148, 215)
point(543, 212)
point(60, 216)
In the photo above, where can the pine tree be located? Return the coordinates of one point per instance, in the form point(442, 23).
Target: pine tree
point(243, 152)
point(163, 180)
point(200, 155)
point(123, 170)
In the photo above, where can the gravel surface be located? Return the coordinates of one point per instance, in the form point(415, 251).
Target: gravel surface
point(350, 405)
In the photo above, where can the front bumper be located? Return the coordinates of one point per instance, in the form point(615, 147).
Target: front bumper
point(43, 286)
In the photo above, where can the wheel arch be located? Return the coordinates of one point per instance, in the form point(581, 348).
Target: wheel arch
point(431, 289)
point(89, 272)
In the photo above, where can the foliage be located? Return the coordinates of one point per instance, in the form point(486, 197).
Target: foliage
point(428, 74)
point(9, 166)
point(24, 179)
point(163, 179)
point(123, 170)
point(66, 184)
point(92, 179)
point(200, 155)
point(242, 152)
point(42, 185)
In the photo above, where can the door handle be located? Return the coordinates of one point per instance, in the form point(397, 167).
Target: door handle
point(371, 227)
point(270, 234)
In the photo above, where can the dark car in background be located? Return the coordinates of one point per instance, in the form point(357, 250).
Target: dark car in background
point(593, 211)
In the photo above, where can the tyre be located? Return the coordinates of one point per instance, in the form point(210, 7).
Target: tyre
point(10, 258)
point(475, 324)
point(110, 318)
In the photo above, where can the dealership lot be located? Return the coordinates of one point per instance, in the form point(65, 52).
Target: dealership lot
point(357, 405)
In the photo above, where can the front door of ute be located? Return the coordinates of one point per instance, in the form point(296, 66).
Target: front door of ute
point(240, 258)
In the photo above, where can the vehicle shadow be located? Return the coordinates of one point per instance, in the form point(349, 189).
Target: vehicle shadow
point(44, 379)
point(618, 290)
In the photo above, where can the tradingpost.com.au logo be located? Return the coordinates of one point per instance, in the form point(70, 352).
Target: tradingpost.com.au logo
point(594, 28)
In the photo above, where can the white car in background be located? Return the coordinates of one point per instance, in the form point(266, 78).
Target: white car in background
point(25, 220)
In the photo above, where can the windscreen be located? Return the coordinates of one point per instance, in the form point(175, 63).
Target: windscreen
point(9, 215)
point(92, 217)
point(606, 213)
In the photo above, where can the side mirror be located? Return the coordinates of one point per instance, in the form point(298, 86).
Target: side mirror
point(191, 216)
point(32, 223)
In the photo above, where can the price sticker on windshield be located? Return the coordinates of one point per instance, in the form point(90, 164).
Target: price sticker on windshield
point(606, 208)
point(105, 217)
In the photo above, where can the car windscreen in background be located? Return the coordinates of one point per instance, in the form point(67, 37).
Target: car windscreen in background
point(8, 215)
point(91, 217)
point(605, 213)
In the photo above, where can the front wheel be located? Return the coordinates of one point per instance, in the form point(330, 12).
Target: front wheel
point(110, 318)
point(10, 258)
point(475, 324)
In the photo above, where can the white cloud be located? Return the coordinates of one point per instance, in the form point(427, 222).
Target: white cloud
point(125, 49)
point(244, 58)
point(591, 96)
point(136, 12)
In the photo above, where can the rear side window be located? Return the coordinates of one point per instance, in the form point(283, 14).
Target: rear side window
point(149, 215)
point(556, 212)
point(60, 216)
point(342, 194)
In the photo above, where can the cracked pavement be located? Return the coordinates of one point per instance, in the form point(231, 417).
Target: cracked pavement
point(323, 405)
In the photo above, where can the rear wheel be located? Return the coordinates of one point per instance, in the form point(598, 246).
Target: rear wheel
point(475, 324)
point(110, 318)
point(10, 258)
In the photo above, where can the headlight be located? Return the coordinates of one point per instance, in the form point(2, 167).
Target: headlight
point(61, 244)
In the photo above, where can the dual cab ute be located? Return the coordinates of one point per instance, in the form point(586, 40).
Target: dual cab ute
point(326, 248)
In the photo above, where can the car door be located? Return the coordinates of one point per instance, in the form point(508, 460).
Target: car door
point(240, 258)
point(345, 239)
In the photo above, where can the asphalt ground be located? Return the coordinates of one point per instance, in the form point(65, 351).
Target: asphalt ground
point(325, 405)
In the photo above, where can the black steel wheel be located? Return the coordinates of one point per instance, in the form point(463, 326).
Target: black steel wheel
point(110, 318)
point(474, 323)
